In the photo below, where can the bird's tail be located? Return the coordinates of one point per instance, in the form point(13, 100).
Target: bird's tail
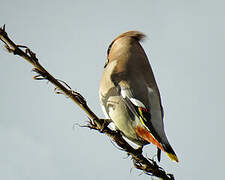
point(170, 152)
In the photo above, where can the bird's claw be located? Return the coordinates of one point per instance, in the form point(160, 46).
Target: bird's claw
point(139, 150)
point(105, 124)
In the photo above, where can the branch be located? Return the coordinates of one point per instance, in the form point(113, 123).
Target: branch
point(140, 162)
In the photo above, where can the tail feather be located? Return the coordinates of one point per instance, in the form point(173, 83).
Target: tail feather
point(173, 157)
point(158, 154)
point(170, 152)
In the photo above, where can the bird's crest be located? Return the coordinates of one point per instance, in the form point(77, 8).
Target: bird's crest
point(134, 34)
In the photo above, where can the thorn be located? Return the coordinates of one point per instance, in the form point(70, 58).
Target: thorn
point(79, 97)
point(117, 147)
point(92, 122)
point(64, 83)
point(22, 46)
point(30, 53)
point(8, 48)
point(57, 91)
point(39, 77)
point(77, 124)
point(3, 28)
point(35, 70)
point(27, 51)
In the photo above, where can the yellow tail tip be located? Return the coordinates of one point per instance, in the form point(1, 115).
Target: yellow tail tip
point(173, 157)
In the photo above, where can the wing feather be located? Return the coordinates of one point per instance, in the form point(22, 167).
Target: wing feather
point(138, 109)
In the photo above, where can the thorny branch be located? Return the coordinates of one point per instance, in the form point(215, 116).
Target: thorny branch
point(146, 165)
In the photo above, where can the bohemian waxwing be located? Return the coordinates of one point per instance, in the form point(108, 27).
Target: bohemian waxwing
point(129, 94)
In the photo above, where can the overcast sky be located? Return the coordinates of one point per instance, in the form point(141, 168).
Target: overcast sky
point(186, 48)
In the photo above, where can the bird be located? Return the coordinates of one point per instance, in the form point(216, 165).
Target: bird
point(129, 95)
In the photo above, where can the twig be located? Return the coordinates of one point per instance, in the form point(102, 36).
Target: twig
point(140, 162)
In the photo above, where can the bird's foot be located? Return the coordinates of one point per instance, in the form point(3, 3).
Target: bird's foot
point(105, 124)
point(140, 149)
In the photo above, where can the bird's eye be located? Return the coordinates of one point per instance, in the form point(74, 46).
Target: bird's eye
point(109, 48)
point(108, 51)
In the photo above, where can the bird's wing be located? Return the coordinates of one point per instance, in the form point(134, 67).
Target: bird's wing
point(137, 108)
point(144, 114)
point(141, 111)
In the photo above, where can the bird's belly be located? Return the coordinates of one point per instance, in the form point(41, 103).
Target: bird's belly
point(122, 119)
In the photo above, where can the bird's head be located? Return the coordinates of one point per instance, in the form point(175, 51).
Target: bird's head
point(124, 46)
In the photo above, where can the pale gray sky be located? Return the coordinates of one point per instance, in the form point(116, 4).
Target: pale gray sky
point(186, 48)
